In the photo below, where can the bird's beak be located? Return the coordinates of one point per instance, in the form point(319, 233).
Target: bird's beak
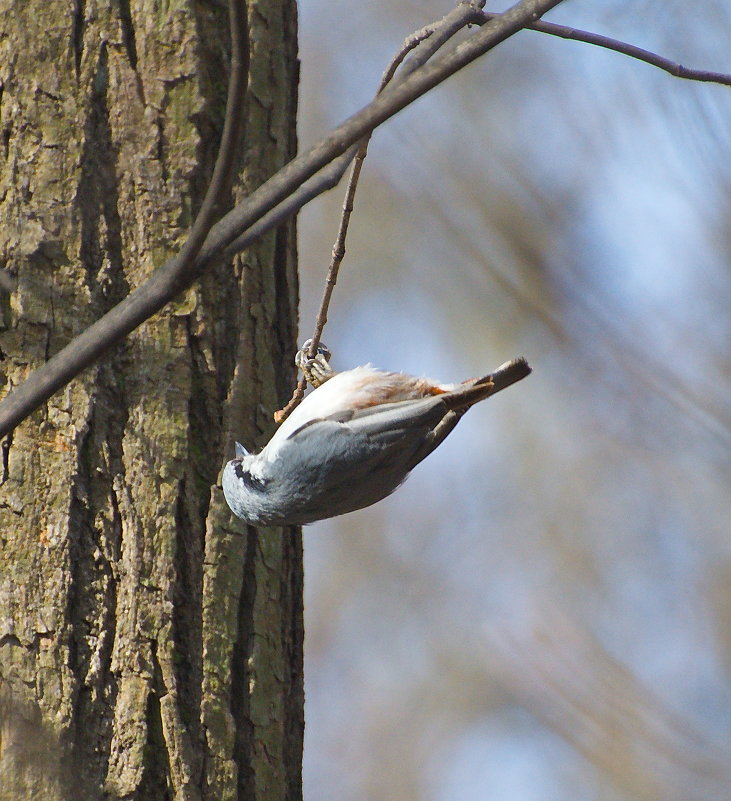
point(241, 451)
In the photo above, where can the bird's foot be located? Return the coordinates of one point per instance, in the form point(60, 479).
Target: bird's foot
point(317, 369)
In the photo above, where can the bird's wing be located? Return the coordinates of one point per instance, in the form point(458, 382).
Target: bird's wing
point(400, 434)
point(349, 460)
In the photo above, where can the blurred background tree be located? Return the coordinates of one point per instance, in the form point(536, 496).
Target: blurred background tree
point(541, 612)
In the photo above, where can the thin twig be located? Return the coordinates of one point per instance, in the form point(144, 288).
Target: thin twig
point(338, 253)
point(575, 34)
point(441, 31)
point(328, 178)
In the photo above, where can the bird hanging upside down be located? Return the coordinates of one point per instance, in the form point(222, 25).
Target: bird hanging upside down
point(351, 441)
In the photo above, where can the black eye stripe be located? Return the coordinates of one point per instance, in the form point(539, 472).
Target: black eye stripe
point(249, 480)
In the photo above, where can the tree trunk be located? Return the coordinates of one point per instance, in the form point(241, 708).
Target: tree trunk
point(150, 646)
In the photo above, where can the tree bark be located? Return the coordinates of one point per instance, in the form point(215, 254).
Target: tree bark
point(150, 647)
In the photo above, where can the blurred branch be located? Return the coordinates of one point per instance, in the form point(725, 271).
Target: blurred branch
point(555, 668)
point(640, 363)
point(678, 70)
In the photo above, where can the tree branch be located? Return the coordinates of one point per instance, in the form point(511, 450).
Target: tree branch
point(177, 274)
point(290, 188)
point(575, 34)
point(224, 168)
point(328, 178)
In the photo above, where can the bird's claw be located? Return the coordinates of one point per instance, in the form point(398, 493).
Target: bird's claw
point(317, 369)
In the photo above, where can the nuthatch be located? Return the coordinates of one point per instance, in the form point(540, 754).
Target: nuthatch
point(351, 441)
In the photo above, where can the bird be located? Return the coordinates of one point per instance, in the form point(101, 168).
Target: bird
point(351, 441)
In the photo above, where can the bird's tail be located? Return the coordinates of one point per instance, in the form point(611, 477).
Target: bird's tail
point(477, 389)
